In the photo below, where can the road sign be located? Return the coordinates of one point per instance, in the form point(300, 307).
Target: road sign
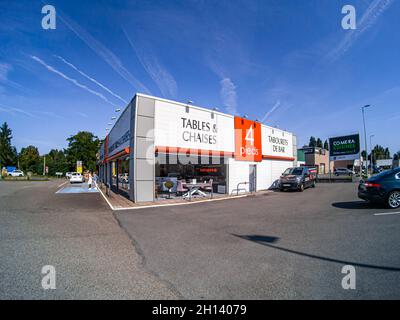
point(79, 168)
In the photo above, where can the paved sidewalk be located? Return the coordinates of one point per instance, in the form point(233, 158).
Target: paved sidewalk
point(119, 202)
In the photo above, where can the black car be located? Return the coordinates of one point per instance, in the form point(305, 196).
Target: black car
point(382, 188)
point(297, 178)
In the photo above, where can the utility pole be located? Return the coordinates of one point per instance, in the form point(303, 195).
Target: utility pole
point(365, 140)
point(44, 165)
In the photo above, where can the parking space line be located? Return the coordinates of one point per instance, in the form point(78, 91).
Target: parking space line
point(108, 202)
point(62, 184)
point(386, 213)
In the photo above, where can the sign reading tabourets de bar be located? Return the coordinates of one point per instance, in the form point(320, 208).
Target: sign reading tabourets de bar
point(344, 148)
point(247, 140)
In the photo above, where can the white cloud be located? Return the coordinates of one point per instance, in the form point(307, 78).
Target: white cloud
point(368, 19)
point(5, 68)
point(75, 82)
point(228, 95)
point(91, 79)
point(159, 74)
point(109, 57)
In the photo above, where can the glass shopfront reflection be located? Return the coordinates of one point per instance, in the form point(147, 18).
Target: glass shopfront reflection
point(120, 176)
point(212, 173)
point(123, 175)
point(114, 175)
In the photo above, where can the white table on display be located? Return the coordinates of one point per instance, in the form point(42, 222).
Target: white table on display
point(194, 188)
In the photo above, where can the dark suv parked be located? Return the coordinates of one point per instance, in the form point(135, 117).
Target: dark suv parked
point(297, 178)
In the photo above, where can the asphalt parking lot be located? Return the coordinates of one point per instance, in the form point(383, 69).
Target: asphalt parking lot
point(287, 245)
point(78, 235)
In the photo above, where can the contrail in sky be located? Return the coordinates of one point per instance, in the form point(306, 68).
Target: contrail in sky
point(276, 106)
point(91, 79)
point(76, 83)
point(104, 53)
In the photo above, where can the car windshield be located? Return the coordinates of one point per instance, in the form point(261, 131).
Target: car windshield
point(293, 171)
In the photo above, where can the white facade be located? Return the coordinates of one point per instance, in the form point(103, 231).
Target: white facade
point(182, 126)
point(151, 126)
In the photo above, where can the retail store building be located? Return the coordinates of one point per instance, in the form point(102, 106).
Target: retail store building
point(156, 139)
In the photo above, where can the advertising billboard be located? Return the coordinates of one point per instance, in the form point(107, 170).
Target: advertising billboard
point(277, 144)
point(192, 128)
point(247, 140)
point(344, 147)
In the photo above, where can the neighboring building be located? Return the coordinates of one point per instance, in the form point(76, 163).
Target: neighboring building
point(155, 139)
point(384, 163)
point(349, 164)
point(301, 158)
point(317, 157)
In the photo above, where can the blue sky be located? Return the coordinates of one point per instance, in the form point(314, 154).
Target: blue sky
point(286, 61)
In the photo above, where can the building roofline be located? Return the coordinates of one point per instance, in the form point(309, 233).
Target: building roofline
point(204, 109)
point(138, 94)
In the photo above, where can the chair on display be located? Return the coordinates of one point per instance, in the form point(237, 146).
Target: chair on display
point(209, 186)
point(180, 188)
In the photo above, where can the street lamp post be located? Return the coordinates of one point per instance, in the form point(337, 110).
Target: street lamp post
point(365, 139)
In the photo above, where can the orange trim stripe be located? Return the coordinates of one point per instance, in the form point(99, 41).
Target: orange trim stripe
point(119, 154)
point(189, 151)
point(278, 158)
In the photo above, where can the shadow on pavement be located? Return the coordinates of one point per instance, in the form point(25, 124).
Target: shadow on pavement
point(357, 205)
point(257, 238)
point(266, 240)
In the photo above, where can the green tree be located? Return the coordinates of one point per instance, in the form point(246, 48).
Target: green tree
point(379, 152)
point(8, 153)
point(83, 147)
point(319, 143)
point(326, 145)
point(56, 161)
point(29, 159)
point(313, 142)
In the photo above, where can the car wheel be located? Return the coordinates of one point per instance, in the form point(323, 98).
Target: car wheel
point(394, 199)
point(301, 187)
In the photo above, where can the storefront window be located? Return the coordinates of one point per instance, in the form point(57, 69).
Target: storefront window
point(114, 174)
point(214, 174)
point(123, 175)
